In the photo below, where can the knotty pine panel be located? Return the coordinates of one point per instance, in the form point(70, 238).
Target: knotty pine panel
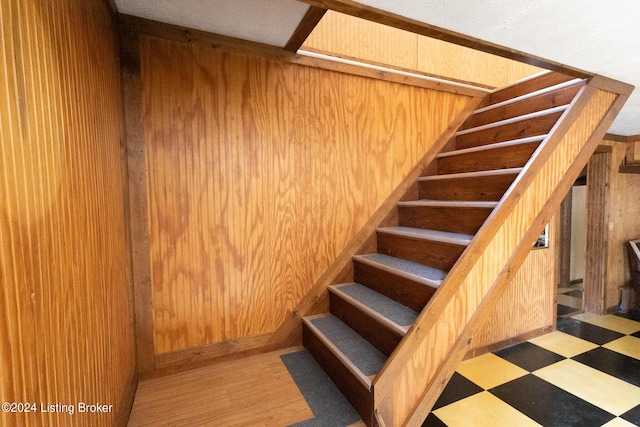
point(65, 307)
point(352, 37)
point(259, 174)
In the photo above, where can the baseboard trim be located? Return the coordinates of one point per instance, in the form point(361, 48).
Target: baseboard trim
point(479, 351)
point(126, 401)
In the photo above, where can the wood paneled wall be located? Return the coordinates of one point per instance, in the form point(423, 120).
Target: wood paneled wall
point(357, 38)
point(624, 214)
point(65, 306)
point(527, 305)
point(259, 174)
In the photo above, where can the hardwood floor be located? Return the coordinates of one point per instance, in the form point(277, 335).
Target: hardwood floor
point(254, 391)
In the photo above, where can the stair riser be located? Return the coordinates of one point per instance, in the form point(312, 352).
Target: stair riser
point(383, 338)
point(513, 156)
point(355, 392)
point(434, 254)
point(405, 291)
point(455, 220)
point(484, 189)
point(523, 88)
point(541, 102)
point(521, 129)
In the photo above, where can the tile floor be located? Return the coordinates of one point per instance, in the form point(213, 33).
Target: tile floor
point(585, 374)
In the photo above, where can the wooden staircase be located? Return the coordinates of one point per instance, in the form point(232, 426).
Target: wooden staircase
point(394, 336)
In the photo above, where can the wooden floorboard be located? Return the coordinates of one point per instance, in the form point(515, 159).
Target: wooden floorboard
point(254, 391)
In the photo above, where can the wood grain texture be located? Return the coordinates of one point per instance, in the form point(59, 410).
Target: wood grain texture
point(254, 391)
point(436, 348)
point(65, 304)
point(380, 16)
point(352, 37)
point(624, 193)
point(528, 303)
point(597, 233)
point(241, 152)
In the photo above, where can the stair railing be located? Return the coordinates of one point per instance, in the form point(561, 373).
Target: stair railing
point(418, 370)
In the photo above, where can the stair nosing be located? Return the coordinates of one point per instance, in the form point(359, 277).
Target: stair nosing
point(529, 95)
point(435, 238)
point(335, 289)
point(492, 146)
point(351, 367)
point(513, 120)
point(433, 283)
point(449, 204)
point(474, 174)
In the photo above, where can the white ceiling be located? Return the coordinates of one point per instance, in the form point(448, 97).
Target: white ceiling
point(266, 21)
point(592, 35)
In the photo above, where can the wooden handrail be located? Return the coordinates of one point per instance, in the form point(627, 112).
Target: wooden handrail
point(441, 335)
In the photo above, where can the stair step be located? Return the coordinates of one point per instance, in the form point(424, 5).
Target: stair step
point(529, 125)
point(434, 248)
point(543, 99)
point(347, 358)
point(411, 270)
point(411, 290)
point(476, 174)
point(512, 120)
point(489, 185)
point(349, 346)
point(483, 148)
point(434, 235)
point(503, 155)
point(448, 204)
point(527, 85)
point(459, 216)
point(398, 316)
point(543, 91)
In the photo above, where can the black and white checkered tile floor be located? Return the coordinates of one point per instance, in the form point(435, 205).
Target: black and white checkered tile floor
point(585, 374)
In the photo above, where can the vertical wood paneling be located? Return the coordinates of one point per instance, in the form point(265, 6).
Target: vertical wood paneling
point(624, 193)
point(259, 174)
point(597, 234)
point(352, 37)
point(527, 304)
point(65, 298)
point(365, 40)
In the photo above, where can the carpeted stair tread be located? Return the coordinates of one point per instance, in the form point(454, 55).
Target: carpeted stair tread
point(474, 174)
point(435, 235)
point(530, 95)
point(496, 145)
point(368, 359)
point(514, 120)
point(392, 310)
point(412, 268)
point(449, 204)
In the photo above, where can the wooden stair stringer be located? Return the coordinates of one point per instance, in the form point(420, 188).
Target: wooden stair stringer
point(437, 342)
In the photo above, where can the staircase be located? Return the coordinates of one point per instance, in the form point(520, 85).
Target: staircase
point(394, 335)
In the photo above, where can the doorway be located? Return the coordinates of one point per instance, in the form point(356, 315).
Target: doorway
point(583, 239)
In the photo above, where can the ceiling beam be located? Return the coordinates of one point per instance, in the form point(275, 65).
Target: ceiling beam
point(380, 16)
point(306, 26)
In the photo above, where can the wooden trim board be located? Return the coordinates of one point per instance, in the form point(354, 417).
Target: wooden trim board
point(353, 8)
point(131, 24)
point(306, 26)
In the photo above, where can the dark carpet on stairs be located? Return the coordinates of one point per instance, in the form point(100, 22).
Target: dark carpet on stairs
point(330, 407)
